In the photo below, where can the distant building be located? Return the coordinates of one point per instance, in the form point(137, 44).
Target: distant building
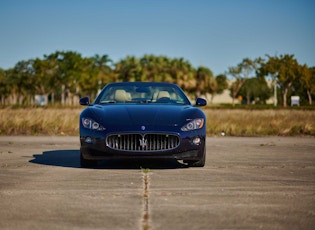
point(222, 98)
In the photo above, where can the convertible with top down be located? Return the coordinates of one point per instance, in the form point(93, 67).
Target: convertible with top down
point(142, 120)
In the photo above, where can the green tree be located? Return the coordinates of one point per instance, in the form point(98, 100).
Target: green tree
point(285, 70)
point(205, 81)
point(129, 69)
point(156, 68)
point(152, 67)
point(43, 78)
point(4, 86)
point(183, 74)
point(308, 81)
point(241, 73)
point(67, 69)
point(255, 90)
point(87, 83)
point(57, 75)
point(103, 66)
point(221, 80)
point(221, 85)
point(22, 81)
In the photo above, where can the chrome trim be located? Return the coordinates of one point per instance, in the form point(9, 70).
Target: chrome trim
point(148, 142)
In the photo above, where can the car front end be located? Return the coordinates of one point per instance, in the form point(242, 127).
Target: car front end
point(142, 127)
point(142, 140)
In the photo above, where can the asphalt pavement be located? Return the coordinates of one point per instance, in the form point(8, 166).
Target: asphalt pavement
point(247, 183)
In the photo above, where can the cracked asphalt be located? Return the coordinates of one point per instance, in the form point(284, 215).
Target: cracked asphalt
point(247, 183)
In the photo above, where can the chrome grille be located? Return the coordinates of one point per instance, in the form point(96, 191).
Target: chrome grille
point(142, 142)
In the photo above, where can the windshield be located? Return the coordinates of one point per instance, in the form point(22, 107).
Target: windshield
point(138, 93)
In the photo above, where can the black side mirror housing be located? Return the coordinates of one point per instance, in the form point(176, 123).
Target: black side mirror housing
point(85, 101)
point(201, 102)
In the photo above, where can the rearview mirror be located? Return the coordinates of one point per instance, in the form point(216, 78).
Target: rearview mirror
point(85, 101)
point(201, 102)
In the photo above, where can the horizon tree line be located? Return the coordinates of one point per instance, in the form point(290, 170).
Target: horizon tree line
point(64, 76)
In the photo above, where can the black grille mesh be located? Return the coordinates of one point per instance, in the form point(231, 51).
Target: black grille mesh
point(142, 142)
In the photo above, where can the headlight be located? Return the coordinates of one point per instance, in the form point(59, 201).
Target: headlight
point(91, 124)
point(193, 124)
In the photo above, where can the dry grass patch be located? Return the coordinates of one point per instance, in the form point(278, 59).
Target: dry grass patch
point(234, 122)
point(260, 122)
point(39, 121)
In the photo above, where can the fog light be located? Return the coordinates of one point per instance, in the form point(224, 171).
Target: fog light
point(88, 140)
point(196, 140)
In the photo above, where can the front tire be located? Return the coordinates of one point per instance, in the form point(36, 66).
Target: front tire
point(200, 163)
point(85, 163)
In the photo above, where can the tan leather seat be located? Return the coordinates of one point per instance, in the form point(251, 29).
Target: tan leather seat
point(163, 94)
point(121, 95)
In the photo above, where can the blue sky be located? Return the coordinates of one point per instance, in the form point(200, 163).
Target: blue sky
point(214, 33)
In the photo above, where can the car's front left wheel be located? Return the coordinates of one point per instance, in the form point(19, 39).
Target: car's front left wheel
point(85, 163)
point(200, 163)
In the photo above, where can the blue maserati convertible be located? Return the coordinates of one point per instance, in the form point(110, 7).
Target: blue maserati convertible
point(145, 120)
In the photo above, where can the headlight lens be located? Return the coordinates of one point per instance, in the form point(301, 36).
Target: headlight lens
point(193, 124)
point(91, 124)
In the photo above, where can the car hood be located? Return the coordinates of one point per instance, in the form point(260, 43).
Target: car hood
point(143, 115)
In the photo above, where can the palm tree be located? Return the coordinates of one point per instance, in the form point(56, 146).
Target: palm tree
point(103, 66)
point(129, 69)
point(183, 74)
point(205, 81)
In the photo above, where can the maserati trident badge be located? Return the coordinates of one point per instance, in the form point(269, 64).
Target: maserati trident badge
point(143, 143)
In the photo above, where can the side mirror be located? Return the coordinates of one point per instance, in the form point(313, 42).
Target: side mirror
point(201, 102)
point(85, 101)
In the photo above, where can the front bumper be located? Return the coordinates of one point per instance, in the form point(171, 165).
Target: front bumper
point(95, 148)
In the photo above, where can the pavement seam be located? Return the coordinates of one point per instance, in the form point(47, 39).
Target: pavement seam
point(145, 211)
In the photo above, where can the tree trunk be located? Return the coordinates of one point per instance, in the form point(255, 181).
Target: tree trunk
point(285, 93)
point(248, 99)
point(284, 97)
point(52, 98)
point(236, 90)
point(309, 97)
point(211, 99)
point(20, 100)
point(63, 94)
point(13, 99)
